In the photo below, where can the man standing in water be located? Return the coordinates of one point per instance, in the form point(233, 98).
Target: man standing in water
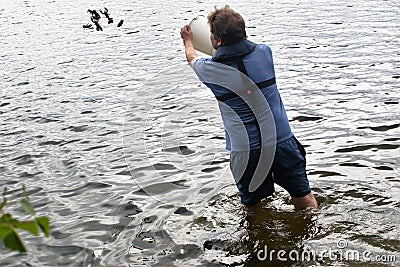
point(241, 75)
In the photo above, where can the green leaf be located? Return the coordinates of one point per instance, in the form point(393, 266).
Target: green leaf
point(13, 242)
point(44, 223)
point(5, 191)
point(8, 219)
point(3, 203)
point(30, 226)
point(4, 230)
point(27, 206)
point(24, 191)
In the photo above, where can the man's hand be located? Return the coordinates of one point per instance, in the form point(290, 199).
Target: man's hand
point(187, 37)
point(186, 33)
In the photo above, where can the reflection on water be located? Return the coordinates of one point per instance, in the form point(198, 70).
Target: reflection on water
point(122, 147)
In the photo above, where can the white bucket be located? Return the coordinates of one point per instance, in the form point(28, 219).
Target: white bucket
point(201, 35)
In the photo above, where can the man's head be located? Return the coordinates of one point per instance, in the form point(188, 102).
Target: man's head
point(227, 26)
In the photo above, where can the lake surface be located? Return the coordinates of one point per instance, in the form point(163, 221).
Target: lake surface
point(122, 147)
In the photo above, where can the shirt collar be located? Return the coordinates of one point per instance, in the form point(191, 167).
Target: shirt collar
point(240, 48)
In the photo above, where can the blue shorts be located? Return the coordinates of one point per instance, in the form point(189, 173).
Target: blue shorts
point(288, 170)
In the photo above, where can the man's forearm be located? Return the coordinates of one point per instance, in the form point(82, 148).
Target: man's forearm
point(191, 54)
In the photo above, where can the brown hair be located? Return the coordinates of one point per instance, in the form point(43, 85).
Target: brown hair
point(227, 24)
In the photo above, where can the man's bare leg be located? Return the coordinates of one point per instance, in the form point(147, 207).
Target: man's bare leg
point(252, 211)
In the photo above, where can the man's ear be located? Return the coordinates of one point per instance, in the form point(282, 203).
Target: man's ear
point(219, 42)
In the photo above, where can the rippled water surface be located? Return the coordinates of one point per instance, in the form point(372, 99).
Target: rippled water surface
point(121, 146)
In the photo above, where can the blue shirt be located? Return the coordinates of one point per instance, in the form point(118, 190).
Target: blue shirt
point(252, 116)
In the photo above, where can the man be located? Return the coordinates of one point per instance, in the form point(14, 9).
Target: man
point(241, 75)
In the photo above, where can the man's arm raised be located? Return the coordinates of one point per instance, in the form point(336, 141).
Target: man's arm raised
point(187, 37)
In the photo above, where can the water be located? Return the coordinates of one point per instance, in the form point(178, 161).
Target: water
point(119, 144)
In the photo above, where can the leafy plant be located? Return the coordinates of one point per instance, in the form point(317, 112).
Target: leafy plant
point(9, 225)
